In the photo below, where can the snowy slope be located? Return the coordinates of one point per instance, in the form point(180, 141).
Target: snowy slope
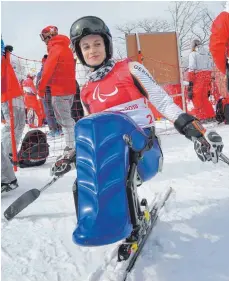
point(190, 242)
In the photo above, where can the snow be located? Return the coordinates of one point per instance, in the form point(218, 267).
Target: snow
point(190, 241)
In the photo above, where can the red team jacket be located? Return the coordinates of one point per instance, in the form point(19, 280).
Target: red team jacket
point(31, 101)
point(116, 88)
point(219, 44)
point(59, 68)
point(29, 86)
point(219, 41)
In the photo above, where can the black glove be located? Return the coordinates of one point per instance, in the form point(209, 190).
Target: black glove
point(208, 147)
point(190, 90)
point(9, 48)
point(207, 144)
point(64, 163)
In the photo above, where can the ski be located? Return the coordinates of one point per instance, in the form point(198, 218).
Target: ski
point(154, 213)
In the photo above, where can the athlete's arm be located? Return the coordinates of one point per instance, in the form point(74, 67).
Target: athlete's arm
point(156, 95)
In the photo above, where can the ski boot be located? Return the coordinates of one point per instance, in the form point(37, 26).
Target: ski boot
point(6, 187)
point(131, 243)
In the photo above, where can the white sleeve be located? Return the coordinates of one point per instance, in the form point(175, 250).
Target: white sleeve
point(192, 62)
point(156, 95)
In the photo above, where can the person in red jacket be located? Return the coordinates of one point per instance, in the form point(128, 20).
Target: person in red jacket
point(219, 48)
point(10, 89)
point(54, 127)
point(219, 40)
point(59, 74)
point(128, 87)
point(199, 76)
point(31, 101)
point(8, 178)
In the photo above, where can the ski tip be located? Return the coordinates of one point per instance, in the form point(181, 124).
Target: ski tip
point(7, 216)
point(10, 213)
point(170, 190)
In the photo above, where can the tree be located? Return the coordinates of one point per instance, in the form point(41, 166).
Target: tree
point(145, 25)
point(127, 28)
point(191, 20)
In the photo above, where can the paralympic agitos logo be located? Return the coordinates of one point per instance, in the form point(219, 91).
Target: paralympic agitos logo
point(103, 97)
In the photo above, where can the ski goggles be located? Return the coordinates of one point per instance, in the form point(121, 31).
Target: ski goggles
point(44, 37)
point(85, 26)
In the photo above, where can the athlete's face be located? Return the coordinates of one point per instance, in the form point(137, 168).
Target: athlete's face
point(93, 49)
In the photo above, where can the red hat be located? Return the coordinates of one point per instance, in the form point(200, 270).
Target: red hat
point(48, 31)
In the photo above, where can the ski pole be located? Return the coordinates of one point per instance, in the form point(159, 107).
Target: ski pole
point(26, 199)
point(140, 56)
point(224, 158)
